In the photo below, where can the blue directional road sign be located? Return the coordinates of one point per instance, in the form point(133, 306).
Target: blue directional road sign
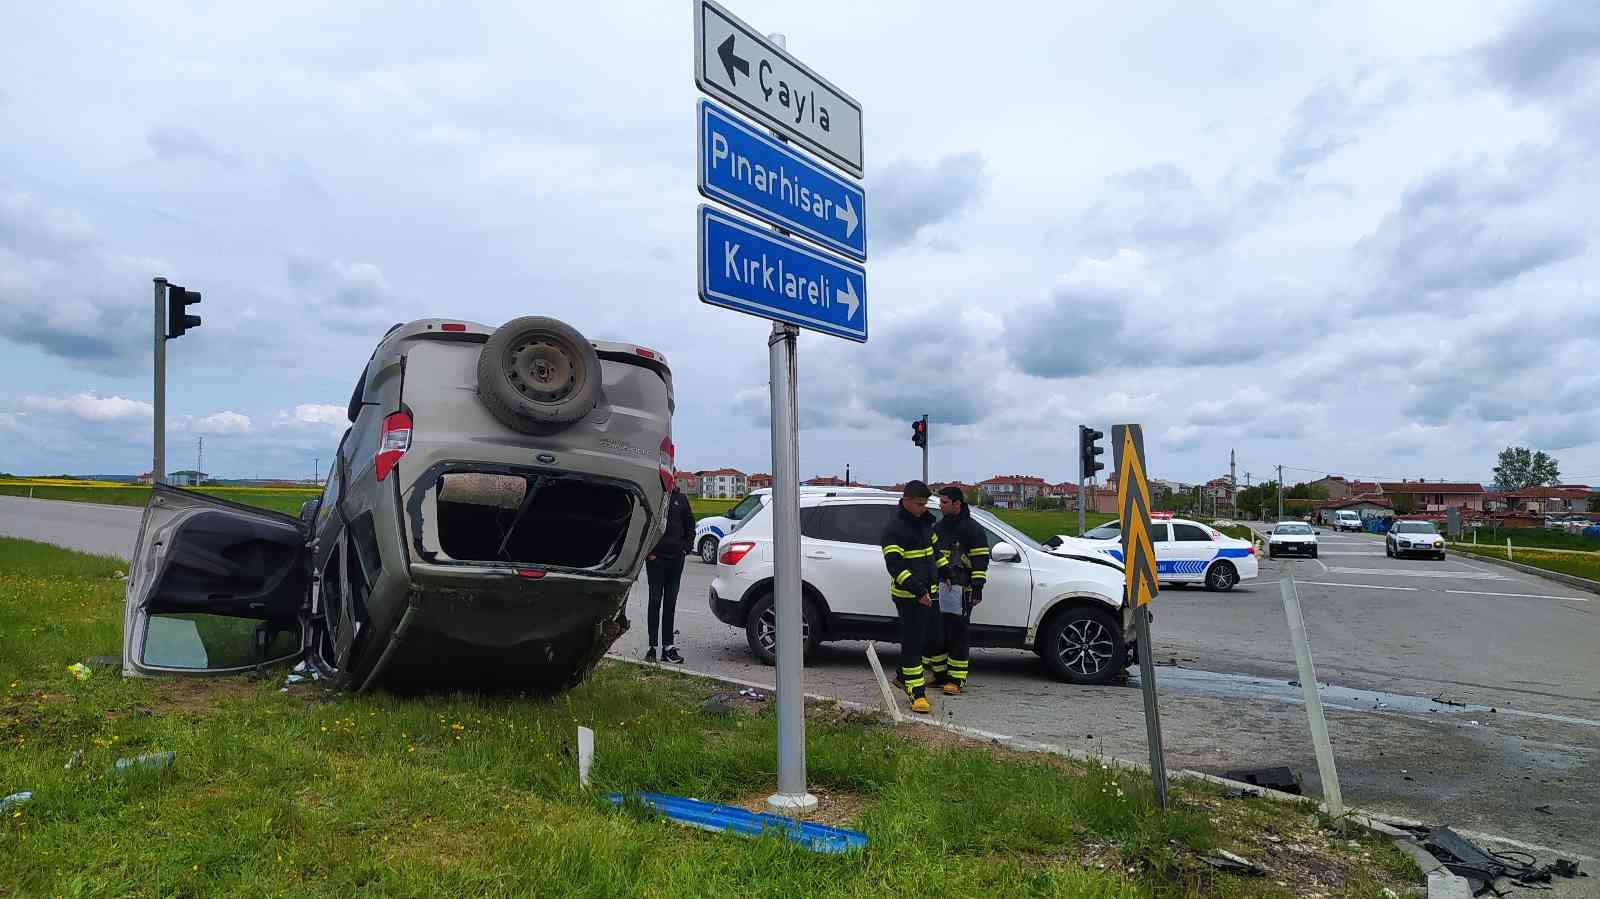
point(747, 268)
point(753, 173)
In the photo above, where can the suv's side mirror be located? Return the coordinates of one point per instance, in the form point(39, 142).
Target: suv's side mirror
point(1004, 552)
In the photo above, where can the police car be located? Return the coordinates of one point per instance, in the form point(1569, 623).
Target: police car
point(1187, 552)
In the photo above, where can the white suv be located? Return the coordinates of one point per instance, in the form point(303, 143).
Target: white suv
point(1066, 607)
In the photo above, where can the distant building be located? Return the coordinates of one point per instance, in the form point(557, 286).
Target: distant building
point(1436, 496)
point(1549, 500)
point(1367, 505)
point(187, 478)
point(689, 483)
point(1337, 487)
point(827, 480)
point(762, 481)
point(1013, 491)
point(147, 478)
point(724, 483)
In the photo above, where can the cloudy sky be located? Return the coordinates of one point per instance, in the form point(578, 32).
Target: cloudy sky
point(1346, 237)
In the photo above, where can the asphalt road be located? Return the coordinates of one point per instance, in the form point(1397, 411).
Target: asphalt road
point(1520, 759)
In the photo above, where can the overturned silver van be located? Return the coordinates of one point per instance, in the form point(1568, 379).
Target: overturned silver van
point(491, 504)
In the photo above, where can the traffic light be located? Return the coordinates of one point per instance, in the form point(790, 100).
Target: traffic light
point(1087, 451)
point(919, 432)
point(179, 321)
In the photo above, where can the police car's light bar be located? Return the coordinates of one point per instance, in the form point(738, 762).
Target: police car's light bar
point(1161, 515)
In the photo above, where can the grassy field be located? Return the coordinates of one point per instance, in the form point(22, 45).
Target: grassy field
point(1533, 538)
point(279, 499)
point(1044, 525)
point(705, 507)
point(1566, 563)
point(305, 793)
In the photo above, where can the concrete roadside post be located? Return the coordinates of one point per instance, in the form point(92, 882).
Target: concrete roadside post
point(158, 469)
point(1308, 686)
point(1139, 563)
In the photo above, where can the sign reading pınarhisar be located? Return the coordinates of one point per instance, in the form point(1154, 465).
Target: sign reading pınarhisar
point(737, 64)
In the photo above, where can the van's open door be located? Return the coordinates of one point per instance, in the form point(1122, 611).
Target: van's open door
point(215, 587)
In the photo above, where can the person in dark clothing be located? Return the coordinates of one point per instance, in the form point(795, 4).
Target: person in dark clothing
point(961, 551)
point(663, 570)
point(907, 544)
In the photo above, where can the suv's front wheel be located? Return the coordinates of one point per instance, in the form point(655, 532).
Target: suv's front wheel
point(761, 629)
point(1084, 645)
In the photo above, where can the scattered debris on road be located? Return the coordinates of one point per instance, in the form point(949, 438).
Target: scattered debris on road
point(14, 800)
point(1224, 860)
point(152, 761)
point(1488, 870)
point(730, 819)
point(1280, 778)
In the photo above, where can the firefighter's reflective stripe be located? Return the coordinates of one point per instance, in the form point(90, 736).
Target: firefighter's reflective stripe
point(903, 577)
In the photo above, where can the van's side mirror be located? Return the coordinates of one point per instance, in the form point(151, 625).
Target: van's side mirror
point(1004, 552)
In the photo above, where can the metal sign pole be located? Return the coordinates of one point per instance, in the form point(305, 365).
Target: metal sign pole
point(791, 797)
point(1313, 695)
point(158, 468)
point(1139, 562)
point(1080, 482)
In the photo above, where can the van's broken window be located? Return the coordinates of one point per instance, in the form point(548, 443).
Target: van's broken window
point(536, 520)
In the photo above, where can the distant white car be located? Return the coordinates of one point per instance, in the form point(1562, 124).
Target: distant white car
point(709, 531)
point(1347, 520)
point(1292, 538)
point(1187, 552)
point(1413, 538)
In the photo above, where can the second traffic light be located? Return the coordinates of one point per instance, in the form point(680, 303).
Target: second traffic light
point(1087, 450)
point(919, 432)
point(178, 320)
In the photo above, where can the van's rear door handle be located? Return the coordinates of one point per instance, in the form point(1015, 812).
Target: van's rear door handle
point(819, 554)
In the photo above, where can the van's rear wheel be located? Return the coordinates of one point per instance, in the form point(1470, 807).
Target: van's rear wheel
point(537, 373)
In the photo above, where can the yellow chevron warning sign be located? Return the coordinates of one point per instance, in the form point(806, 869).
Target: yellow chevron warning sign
point(1133, 502)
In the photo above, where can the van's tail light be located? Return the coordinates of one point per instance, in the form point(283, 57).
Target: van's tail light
point(735, 552)
point(394, 443)
point(669, 455)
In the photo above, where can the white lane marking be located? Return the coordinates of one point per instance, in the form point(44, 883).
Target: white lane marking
point(1359, 586)
point(1320, 565)
point(1523, 595)
point(1340, 552)
point(1408, 572)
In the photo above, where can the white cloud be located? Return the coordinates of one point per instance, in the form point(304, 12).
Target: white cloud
point(89, 407)
point(226, 422)
point(325, 414)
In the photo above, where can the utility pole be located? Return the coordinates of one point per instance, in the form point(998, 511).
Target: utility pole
point(927, 438)
point(316, 469)
point(199, 457)
point(847, 474)
point(158, 471)
point(1233, 483)
point(1280, 492)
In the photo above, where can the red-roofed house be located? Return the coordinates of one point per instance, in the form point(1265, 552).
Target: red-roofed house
point(1367, 505)
point(826, 480)
point(1012, 491)
point(759, 481)
point(689, 483)
point(1436, 496)
point(1549, 500)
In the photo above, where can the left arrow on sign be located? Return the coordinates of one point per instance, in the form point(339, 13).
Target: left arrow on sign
point(731, 62)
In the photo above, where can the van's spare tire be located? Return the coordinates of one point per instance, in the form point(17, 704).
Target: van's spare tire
point(536, 373)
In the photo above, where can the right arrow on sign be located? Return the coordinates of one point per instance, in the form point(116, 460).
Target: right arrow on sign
point(731, 62)
point(847, 214)
point(848, 297)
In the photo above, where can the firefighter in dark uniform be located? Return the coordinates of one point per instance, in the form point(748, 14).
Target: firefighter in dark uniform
point(961, 551)
point(907, 544)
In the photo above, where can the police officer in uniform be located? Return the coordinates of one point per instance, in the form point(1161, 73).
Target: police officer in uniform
point(907, 544)
point(961, 551)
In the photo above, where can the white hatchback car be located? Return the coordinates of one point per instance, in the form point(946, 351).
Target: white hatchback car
point(1292, 538)
point(1065, 607)
point(1187, 552)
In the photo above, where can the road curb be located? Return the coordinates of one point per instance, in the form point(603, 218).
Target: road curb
point(1571, 580)
point(1441, 883)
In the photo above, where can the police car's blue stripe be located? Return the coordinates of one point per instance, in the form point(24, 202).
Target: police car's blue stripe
point(1189, 566)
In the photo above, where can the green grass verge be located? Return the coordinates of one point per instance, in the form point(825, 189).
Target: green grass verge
point(1532, 537)
point(278, 499)
point(1042, 526)
point(705, 507)
point(1566, 563)
point(304, 793)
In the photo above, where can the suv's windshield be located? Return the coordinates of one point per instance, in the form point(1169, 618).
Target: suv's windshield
point(1109, 531)
point(1414, 527)
point(1300, 529)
